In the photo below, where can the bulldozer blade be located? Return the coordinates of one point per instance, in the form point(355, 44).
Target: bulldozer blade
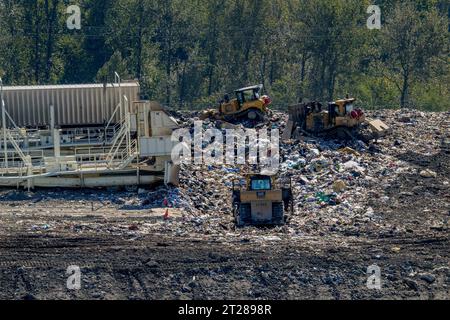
point(379, 128)
point(208, 114)
point(287, 134)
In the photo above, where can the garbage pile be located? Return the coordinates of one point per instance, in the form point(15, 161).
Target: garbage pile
point(339, 187)
point(333, 181)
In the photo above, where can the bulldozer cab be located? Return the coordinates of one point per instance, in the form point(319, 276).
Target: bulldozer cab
point(343, 113)
point(342, 108)
point(248, 103)
point(249, 94)
point(260, 183)
point(263, 201)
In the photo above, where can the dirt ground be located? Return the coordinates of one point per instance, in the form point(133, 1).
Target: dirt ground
point(119, 262)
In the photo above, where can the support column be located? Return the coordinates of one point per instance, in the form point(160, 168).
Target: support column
point(128, 124)
point(52, 123)
point(5, 146)
point(56, 143)
point(147, 133)
point(30, 184)
point(118, 80)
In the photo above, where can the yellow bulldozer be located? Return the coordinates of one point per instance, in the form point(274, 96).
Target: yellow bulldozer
point(341, 119)
point(264, 201)
point(248, 104)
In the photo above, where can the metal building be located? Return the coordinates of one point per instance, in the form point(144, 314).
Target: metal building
point(74, 105)
point(127, 143)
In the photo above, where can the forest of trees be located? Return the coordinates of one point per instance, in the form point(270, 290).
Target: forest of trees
point(188, 53)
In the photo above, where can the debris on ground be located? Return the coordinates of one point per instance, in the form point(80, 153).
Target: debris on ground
point(344, 191)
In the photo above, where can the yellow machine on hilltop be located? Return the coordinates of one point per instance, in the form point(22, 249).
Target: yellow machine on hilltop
point(262, 202)
point(248, 104)
point(342, 119)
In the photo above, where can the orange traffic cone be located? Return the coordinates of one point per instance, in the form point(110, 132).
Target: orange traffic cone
point(166, 215)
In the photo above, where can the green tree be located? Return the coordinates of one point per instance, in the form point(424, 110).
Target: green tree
point(412, 42)
point(333, 31)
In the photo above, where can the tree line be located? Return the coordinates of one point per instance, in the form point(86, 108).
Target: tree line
point(188, 53)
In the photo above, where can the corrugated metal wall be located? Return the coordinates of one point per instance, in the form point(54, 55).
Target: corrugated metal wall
point(74, 104)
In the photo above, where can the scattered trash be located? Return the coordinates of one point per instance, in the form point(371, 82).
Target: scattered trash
point(395, 249)
point(332, 183)
point(323, 198)
point(343, 192)
point(349, 150)
point(428, 174)
point(352, 165)
point(40, 227)
point(411, 284)
point(429, 278)
point(271, 238)
point(133, 227)
point(339, 186)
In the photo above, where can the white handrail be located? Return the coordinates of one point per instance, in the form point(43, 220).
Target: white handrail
point(112, 117)
point(17, 148)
